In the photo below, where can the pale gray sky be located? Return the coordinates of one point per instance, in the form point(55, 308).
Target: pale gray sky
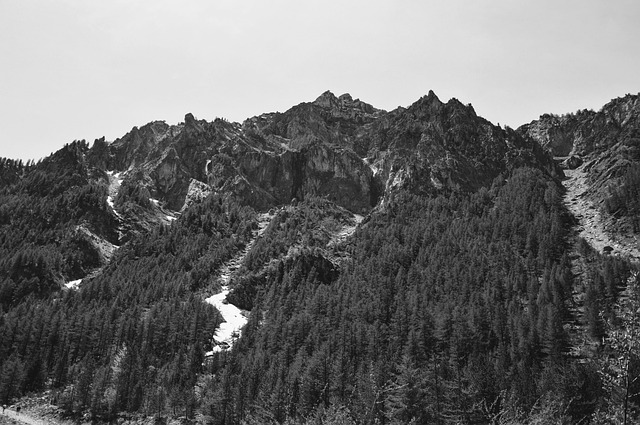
point(80, 69)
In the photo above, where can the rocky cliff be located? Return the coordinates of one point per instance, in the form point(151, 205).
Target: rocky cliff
point(607, 142)
point(432, 145)
point(604, 147)
point(587, 132)
point(335, 147)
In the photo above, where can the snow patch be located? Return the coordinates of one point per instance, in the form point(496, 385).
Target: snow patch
point(115, 180)
point(74, 284)
point(398, 179)
point(234, 320)
point(167, 214)
point(374, 168)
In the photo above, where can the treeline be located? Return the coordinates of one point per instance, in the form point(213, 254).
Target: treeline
point(457, 309)
point(12, 169)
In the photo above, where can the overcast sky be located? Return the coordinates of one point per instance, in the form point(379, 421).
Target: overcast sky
point(78, 69)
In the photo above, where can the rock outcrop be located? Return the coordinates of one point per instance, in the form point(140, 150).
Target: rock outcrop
point(607, 141)
point(432, 146)
point(602, 147)
point(587, 132)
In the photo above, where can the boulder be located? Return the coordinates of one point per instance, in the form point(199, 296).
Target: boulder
point(572, 162)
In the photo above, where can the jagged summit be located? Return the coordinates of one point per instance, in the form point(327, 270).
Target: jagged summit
point(430, 97)
point(343, 103)
point(336, 146)
point(189, 119)
point(326, 99)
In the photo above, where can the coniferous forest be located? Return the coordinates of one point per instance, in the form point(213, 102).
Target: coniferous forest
point(443, 306)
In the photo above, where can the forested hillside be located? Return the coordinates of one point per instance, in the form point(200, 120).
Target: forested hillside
point(45, 218)
point(453, 309)
point(413, 266)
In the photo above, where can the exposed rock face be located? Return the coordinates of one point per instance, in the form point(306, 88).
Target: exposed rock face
point(270, 178)
point(604, 145)
point(335, 147)
point(332, 120)
point(588, 132)
point(432, 146)
point(607, 141)
point(196, 192)
point(554, 133)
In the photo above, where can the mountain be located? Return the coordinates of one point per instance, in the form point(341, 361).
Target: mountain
point(333, 263)
point(335, 147)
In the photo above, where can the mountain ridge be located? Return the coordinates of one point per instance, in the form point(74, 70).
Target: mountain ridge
point(267, 150)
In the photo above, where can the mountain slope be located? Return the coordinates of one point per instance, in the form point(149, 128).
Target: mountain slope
point(411, 266)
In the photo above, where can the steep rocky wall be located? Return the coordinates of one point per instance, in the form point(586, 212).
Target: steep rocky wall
point(316, 170)
point(555, 134)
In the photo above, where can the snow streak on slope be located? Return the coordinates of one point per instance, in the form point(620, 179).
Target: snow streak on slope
point(103, 246)
point(115, 180)
point(234, 318)
point(374, 168)
point(167, 215)
point(73, 284)
point(591, 225)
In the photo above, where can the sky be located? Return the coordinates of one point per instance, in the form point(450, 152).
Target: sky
point(79, 69)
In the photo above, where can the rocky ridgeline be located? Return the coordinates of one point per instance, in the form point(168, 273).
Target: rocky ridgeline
point(586, 133)
point(336, 147)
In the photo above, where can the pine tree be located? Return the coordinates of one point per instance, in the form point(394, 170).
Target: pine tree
point(621, 362)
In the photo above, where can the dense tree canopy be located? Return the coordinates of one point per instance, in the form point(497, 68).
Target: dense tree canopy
point(459, 308)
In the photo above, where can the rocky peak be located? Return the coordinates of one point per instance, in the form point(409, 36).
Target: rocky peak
point(345, 98)
point(433, 146)
point(344, 105)
point(426, 105)
point(430, 99)
point(327, 100)
point(191, 125)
